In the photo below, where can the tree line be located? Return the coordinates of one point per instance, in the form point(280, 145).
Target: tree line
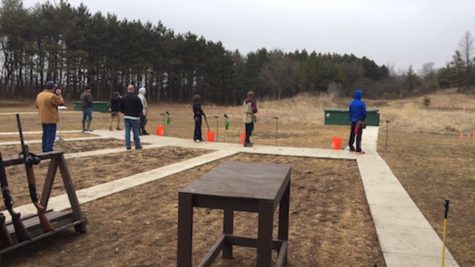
point(75, 48)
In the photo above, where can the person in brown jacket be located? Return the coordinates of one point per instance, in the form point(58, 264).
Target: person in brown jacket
point(47, 103)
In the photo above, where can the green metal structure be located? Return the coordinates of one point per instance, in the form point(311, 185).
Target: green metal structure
point(98, 106)
point(340, 116)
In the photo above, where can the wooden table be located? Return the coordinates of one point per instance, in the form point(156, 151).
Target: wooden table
point(238, 186)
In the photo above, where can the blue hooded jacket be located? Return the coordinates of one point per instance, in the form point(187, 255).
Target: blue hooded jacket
point(357, 108)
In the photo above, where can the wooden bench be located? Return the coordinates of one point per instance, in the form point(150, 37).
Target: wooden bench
point(238, 186)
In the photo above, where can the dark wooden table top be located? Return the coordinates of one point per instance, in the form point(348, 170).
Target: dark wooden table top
point(234, 179)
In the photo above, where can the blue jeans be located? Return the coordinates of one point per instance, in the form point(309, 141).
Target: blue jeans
point(86, 116)
point(134, 125)
point(49, 134)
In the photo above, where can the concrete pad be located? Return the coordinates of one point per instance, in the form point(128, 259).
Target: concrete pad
point(403, 260)
point(395, 215)
point(397, 239)
point(104, 152)
point(39, 141)
point(39, 132)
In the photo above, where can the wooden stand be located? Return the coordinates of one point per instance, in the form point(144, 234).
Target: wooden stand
point(238, 186)
point(60, 220)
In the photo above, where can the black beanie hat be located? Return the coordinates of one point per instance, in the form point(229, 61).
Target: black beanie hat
point(50, 85)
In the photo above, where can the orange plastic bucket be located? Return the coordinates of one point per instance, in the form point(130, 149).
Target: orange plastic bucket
point(336, 142)
point(210, 136)
point(243, 137)
point(160, 130)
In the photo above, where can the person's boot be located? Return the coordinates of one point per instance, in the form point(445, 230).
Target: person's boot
point(88, 126)
point(83, 127)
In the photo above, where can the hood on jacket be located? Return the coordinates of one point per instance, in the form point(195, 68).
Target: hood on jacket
point(142, 91)
point(358, 94)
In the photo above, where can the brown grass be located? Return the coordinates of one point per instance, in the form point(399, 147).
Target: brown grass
point(138, 227)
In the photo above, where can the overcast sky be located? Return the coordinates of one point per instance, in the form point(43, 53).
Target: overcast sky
point(396, 32)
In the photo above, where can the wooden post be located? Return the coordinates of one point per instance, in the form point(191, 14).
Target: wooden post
point(48, 186)
point(68, 185)
point(185, 230)
point(264, 239)
point(228, 226)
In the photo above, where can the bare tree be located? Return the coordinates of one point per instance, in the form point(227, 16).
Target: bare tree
point(466, 46)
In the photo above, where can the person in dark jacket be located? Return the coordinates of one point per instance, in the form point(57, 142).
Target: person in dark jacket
point(86, 101)
point(197, 115)
point(132, 108)
point(357, 117)
point(114, 110)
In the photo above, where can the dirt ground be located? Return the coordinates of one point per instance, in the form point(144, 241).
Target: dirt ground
point(432, 167)
point(89, 171)
point(330, 224)
point(29, 137)
point(11, 151)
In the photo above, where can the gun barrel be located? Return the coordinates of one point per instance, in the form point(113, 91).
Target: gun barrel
point(20, 131)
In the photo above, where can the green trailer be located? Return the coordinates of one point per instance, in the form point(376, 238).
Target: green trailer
point(98, 106)
point(340, 116)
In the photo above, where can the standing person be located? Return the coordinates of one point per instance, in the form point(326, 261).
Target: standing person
point(143, 115)
point(357, 117)
point(250, 110)
point(132, 107)
point(114, 109)
point(197, 115)
point(86, 101)
point(47, 103)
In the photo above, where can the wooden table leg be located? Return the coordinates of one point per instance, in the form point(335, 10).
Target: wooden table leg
point(264, 235)
point(185, 230)
point(283, 233)
point(228, 229)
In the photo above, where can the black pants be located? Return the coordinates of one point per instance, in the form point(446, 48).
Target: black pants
point(249, 129)
point(143, 122)
point(358, 137)
point(197, 135)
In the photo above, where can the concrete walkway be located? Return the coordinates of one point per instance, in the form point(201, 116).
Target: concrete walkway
point(405, 235)
point(38, 132)
point(39, 141)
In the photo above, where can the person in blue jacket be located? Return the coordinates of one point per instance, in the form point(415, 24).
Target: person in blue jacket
point(357, 118)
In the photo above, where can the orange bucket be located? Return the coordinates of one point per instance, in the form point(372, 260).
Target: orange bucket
point(160, 130)
point(336, 143)
point(243, 137)
point(210, 136)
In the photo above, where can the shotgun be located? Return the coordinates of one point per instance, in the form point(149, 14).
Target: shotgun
point(20, 230)
point(30, 159)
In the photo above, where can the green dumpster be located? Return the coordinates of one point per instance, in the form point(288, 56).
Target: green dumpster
point(340, 116)
point(99, 106)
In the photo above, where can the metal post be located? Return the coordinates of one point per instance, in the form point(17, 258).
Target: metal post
point(217, 127)
point(387, 136)
point(276, 129)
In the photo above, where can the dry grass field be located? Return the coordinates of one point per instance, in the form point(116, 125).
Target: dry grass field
point(424, 151)
point(138, 227)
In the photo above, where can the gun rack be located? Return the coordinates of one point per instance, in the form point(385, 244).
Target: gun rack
point(60, 220)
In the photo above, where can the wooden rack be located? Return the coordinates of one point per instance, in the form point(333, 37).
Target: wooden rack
point(60, 220)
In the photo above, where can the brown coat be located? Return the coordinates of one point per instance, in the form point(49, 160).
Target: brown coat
point(47, 104)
